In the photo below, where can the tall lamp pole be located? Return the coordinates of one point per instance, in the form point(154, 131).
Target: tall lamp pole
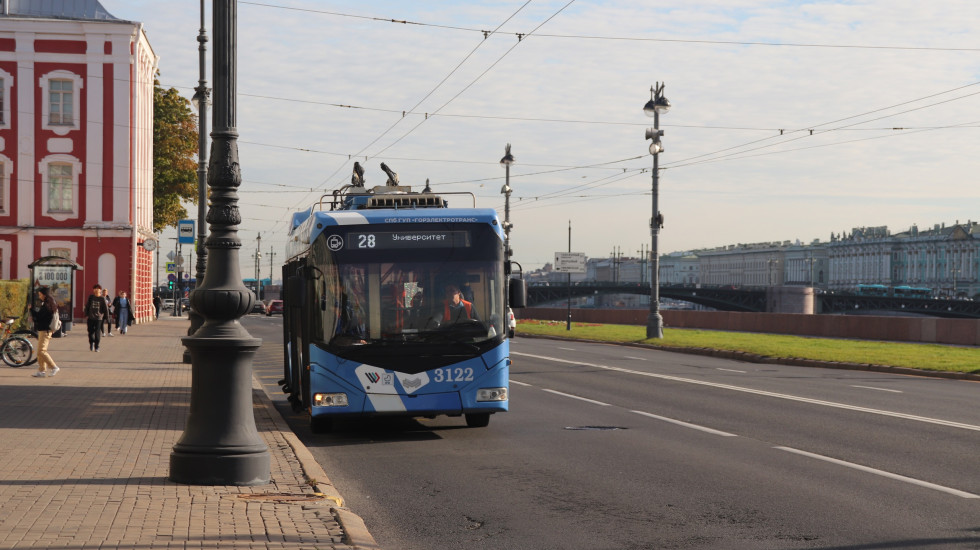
point(505, 191)
point(258, 263)
point(220, 444)
point(202, 96)
point(657, 104)
point(568, 323)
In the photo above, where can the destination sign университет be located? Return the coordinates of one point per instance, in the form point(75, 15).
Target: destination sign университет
point(407, 239)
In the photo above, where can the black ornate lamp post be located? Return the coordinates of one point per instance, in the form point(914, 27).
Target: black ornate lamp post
point(202, 96)
point(657, 104)
point(220, 444)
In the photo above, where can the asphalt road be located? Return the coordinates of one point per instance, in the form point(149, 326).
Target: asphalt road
point(611, 447)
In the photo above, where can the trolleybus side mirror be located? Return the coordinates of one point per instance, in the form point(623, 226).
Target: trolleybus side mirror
point(518, 293)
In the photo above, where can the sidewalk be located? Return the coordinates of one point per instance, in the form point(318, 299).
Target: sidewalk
point(84, 459)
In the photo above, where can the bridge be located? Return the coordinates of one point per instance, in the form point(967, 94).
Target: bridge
point(754, 299)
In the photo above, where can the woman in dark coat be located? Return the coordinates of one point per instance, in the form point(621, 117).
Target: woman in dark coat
point(124, 311)
point(42, 322)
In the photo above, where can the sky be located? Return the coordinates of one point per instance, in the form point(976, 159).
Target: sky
point(789, 120)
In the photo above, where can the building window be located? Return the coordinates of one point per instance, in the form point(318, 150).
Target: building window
point(60, 252)
point(59, 188)
point(61, 109)
point(6, 83)
point(61, 104)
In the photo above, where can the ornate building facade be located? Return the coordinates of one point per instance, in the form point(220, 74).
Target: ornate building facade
point(76, 145)
point(944, 259)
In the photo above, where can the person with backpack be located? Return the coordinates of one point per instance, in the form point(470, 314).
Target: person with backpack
point(95, 311)
point(43, 318)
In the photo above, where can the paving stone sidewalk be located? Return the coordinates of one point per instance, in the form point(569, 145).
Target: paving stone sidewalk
point(84, 459)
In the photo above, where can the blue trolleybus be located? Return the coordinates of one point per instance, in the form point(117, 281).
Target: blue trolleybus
point(396, 304)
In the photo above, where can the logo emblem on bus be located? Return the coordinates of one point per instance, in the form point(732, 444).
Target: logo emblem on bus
point(412, 383)
point(373, 377)
point(335, 242)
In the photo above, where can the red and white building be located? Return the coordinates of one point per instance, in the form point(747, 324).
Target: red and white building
point(76, 145)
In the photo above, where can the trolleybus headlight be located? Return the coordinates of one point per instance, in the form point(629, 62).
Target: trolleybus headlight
point(330, 400)
point(491, 394)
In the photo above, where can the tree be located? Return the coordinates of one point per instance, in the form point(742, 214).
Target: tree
point(174, 157)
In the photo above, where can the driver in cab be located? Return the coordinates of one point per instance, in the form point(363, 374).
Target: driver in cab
point(456, 308)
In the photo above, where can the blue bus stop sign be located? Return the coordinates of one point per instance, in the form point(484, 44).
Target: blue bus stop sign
point(185, 231)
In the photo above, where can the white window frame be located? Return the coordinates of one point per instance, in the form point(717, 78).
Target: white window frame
point(4, 256)
point(76, 100)
point(76, 171)
point(6, 169)
point(64, 252)
point(64, 187)
point(48, 248)
point(6, 85)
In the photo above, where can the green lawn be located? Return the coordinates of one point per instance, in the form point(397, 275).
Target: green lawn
point(919, 356)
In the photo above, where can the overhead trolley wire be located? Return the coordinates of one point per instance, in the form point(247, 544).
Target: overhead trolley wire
point(436, 87)
point(809, 131)
point(477, 79)
point(620, 38)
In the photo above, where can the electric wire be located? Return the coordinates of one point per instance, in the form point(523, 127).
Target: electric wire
point(810, 130)
point(436, 87)
point(621, 38)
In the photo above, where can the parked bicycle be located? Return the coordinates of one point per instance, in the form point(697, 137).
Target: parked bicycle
point(16, 349)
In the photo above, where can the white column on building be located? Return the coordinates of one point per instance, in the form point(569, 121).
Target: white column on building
point(26, 169)
point(94, 129)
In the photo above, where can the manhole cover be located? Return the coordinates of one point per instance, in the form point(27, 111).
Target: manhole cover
point(284, 498)
point(595, 428)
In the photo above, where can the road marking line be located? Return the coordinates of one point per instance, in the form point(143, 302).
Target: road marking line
point(577, 397)
point(733, 370)
point(512, 381)
point(636, 358)
point(889, 475)
point(568, 349)
point(877, 389)
point(833, 404)
point(687, 424)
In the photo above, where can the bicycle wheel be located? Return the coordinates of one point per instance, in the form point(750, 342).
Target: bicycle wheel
point(17, 352)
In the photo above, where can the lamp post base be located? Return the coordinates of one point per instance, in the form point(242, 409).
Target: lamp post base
point(216, 469)
point(220, 444)
point(655, 325)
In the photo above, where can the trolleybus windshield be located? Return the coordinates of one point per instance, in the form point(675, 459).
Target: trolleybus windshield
point(419, 285)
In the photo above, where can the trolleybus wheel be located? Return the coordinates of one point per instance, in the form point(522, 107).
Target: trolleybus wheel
point(477, 420)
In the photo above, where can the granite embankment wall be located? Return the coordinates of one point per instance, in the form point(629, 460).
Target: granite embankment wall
point(963, 332)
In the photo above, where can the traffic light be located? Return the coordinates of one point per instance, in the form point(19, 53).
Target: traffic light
point(170, 285)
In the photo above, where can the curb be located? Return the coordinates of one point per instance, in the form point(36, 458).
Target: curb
point(788, 361)
point(356, 533)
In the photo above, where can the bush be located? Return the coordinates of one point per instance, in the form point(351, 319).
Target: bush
point(13, 300)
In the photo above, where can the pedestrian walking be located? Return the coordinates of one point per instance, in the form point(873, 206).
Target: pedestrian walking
point(123, 310)
point(107, 320)
point(157, 304)
point(96, 314)
point(43, 318)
